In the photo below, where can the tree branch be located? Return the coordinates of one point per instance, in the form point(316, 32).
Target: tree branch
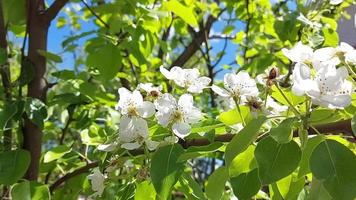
point(197, 40)
point(54, 9)
point(334, 128)
point(76, 172)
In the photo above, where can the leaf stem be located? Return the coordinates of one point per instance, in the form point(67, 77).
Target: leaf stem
point(239, 111)
point(296, 112)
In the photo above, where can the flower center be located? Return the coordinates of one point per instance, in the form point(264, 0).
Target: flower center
point(177, 116)
point(132, 111)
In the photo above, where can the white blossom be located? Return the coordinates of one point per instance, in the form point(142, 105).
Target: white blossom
point(187, 78)
point(238, 86)
point(107, 147)
point(150, 90)
point(273, 108)
point(328, 88)
point(97, 180)
point(178, 114)
point(306, 21)
point(299, 53)
point(133, 133)
point(225, 103)
point(301, 78)
point(131, 104)
point(336, 2)
point(332, 55)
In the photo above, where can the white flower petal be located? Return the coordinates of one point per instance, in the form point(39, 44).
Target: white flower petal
point(199, 84)
point(151, 145)
point(107, 147)
point(171, 139)
point(163, 117)
point(300, 78)
point(166, 73)
point(221, 92)
point(324, 54)
point(186, 100)
point(147, 87)
point(181, 129)
point(336, 2)
point(97, 180)
point(299, 53)
point(131, 146)
point(137, 98)
point(192, 115)
point(146, 109)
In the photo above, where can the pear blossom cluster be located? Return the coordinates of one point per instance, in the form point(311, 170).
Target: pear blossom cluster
point(319, 74)
point(322, 74)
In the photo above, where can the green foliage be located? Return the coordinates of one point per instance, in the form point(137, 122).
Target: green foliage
point(13, 165)
point(56, 153)
point(246, 185)
point(216, 183)
point(165, 169)
point(114, 44)
point(30, 191)
point(243, 139)
point(333, 163)
point(275, 160)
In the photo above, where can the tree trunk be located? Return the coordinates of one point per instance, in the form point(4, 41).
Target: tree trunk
point(37, 34)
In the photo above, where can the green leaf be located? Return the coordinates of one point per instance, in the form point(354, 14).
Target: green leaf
point(246, 185)
point(193, 152)
point(55, 153)
point(13, 165)
point(335, 164)
point(239, 37)
point(290, 186)
point(36, 111)
point(295, 100)
point(332, 23)
point(216, 183)
point(6, 113)
point(353, 124)
point(283, 133)
point(243, 139)
point(232, 116)
point(21, 191)
point(165, 170)
point(206, 128)
point(50, 56)
point(331, 37)
point(107, 60)
point(275, 160)
point(184, 12)
point(39, 191)
point(243, 163)
point(190, 187)
point(307, 151)
point(14, 12)
point(317, 191)
point(229, 29)
point(145, 190)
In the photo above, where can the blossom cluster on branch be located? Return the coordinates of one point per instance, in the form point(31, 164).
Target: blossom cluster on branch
point(321, 75)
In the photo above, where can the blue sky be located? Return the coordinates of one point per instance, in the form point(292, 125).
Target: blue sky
point(57, 35)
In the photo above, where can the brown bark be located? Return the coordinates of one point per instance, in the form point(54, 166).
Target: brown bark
point(39, 20)
point(37, 34)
